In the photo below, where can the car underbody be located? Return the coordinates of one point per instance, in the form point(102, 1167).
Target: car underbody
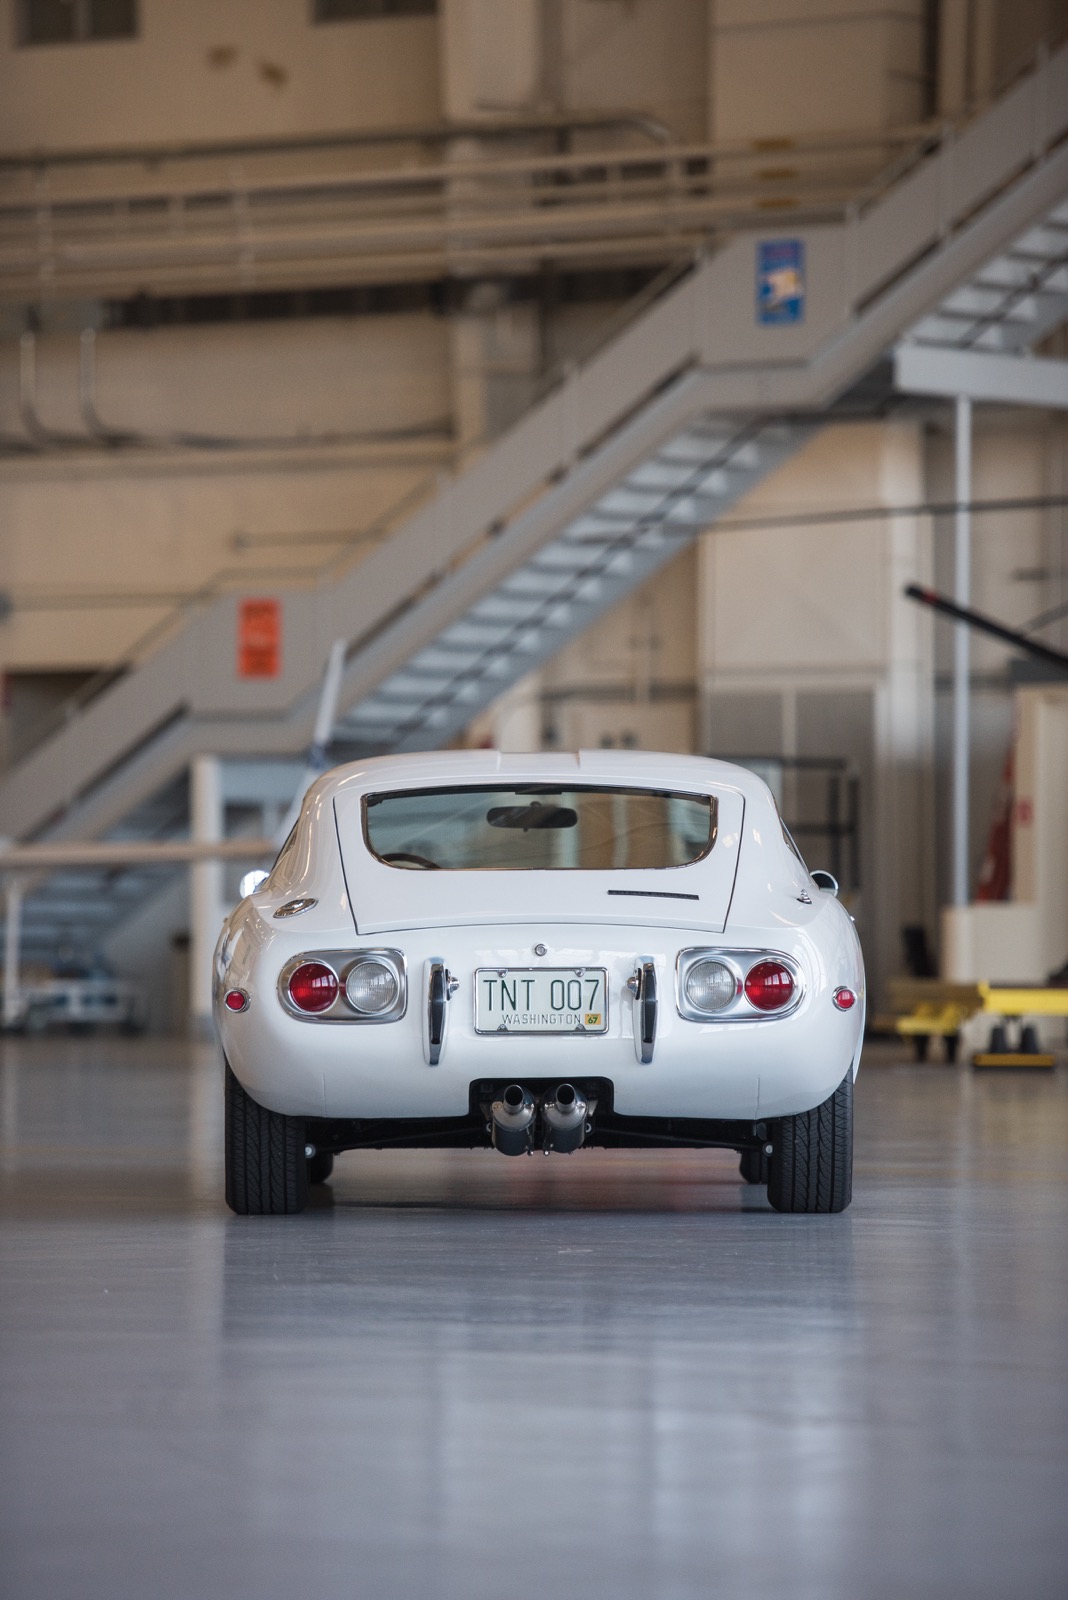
point(537, 1115)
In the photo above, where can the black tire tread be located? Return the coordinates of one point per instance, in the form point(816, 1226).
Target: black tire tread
point(811, 1169)
point(266, 1169)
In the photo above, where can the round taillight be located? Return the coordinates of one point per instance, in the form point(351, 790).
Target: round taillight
point(313, 986)
point(371, 987)
point(844, 999)
point(769, 986)
point(710, 986)
point(235, 1000)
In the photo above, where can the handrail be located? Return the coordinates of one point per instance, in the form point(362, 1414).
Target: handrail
point(155, 181)
point(432, 133)
point(293, 228)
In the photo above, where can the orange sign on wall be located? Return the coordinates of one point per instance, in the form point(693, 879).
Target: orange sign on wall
point(259, 638)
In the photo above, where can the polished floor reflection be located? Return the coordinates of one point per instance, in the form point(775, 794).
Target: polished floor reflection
point(466, 1377)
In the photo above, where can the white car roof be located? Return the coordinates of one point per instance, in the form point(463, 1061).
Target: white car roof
point(644, 768)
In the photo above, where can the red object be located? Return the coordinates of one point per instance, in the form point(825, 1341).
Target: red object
point(313, 987)
point(844, 999)
point(769, 986)
point(259, 638)
point(995, 874)
point(235, 1000)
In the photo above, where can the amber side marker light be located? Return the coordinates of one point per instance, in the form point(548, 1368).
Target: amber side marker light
point(844, 999)
point(235, 1000)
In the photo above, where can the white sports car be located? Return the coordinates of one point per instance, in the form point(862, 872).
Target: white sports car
point(540, 952)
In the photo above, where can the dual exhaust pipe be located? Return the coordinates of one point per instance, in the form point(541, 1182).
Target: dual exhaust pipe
point(515, 1116)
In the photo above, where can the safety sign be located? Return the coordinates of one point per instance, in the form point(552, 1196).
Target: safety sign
point(259, 638)
point(780, 281)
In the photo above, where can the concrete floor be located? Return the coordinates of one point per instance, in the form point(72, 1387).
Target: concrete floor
point(461, 1376)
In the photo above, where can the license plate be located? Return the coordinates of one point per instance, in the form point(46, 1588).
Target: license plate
point(541, 1000)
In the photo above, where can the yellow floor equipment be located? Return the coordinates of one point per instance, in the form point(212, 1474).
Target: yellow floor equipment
point(927, 1008)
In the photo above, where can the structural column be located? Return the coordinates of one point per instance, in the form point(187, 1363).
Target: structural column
point(12, 951)
point(205, 887)
point(962, 586)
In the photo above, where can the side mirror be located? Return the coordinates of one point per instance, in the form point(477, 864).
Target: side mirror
point(825, 880)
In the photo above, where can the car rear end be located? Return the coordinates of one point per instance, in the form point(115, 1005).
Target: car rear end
point(641, 946)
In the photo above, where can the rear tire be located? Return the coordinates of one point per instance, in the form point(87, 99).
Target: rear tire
point(266, 1169)
point(811, 1169)
point(753, 1166)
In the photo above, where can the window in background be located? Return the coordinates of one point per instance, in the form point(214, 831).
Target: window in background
point(76, 21)
point(357, 10)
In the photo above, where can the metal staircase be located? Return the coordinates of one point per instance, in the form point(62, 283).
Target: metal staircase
point(630, 457)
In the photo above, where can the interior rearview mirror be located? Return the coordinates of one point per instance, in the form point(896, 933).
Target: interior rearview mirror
point(533, 816)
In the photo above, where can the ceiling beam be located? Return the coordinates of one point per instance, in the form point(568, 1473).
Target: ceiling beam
point(977, 375)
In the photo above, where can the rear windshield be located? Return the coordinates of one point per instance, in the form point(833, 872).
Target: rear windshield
point(535, 826)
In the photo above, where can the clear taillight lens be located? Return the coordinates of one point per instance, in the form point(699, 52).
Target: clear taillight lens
point(371, 988)
point(313, 987)
point(769, 986)
point(710, 986)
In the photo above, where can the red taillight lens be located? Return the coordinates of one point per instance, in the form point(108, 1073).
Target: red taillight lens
point(769, 986)
point(313, 986)
point(235, 1000)
point(844, 999)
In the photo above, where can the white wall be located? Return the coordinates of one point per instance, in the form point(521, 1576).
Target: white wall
point(163, 522)
point(648, 56)
point(793, 617)
point(217, 69)
point(789, 67)
point(1019, 569)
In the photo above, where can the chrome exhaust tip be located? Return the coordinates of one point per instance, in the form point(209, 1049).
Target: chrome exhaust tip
point(564, 1113)
point(512, 1121)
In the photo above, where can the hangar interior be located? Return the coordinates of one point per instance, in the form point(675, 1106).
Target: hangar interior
point(385, 375)
point(246, 354)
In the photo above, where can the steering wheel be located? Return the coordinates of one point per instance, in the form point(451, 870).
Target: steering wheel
point(405, 857)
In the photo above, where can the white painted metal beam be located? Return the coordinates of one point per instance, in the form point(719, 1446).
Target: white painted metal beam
point(129, 853)
point(978, 375)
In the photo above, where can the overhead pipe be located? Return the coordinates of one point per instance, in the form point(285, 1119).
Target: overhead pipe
point(103, 433)
point(962, 581)
point(421, 133)
point(87, 396)
point(38, 432)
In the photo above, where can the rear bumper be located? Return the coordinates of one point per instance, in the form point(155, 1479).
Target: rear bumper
point(744, 1070)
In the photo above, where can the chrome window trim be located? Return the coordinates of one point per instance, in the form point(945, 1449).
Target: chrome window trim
point(341, 963)
point(739, 961)
point(375, 797)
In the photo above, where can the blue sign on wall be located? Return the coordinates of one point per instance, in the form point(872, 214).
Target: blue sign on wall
point(780, 281)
